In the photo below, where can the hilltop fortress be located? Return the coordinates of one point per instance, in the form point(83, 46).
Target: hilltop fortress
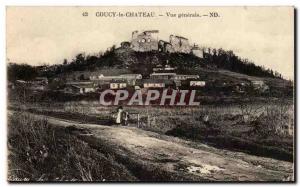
point(149, 41)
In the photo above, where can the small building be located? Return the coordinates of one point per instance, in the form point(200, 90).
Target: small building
point(286, 129)
point(130, 79)
point(118, 84)
point(165, 76)
point(259, 85)
point(157, 83)
point(93, 77)
point(137, 87)
point(37, 87)
point(79, 89)
point(185, 77)
point(166, 69)
point(10, 85)
point(178, 83)
point(21, 84)
point(131, 76)
point(41, 80)
point(79, 83)
point(70, 89)
point(240, 87)
point(197, 83)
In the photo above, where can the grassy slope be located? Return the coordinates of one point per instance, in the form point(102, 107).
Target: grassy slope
point(151, 156)
point(39, 151)
point(253, 137)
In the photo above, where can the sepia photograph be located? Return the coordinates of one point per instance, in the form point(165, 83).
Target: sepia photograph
point(150, 94)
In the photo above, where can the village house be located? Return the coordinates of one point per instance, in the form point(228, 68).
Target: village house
point(196, 83)
point(38, 84)
point(286, 129)
point(165, 69)
point(172, 76)
point(131, 76)
point(176, 78)
point(79, 88)
point(41, 80)
point(116, 77)
point(156, 83)
point(10, 85)
point(20, 84)
point(240, 87)
point(117, 84)
point(178, 83)
point(185, 77)
point(162, 75)
point(79, 83)
point(130, 79)
point(101, 80)
point(37, 87)
point(259, 85)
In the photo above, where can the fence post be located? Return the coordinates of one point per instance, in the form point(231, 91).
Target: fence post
point(138, 116)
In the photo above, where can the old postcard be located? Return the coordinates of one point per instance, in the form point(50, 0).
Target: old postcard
point(151, 94)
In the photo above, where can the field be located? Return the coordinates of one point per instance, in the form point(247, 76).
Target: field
point(259, 129)
point(44, 148)
point(39, 151)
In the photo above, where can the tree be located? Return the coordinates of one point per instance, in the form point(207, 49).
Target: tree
point(21, 72)
point(65, 62)
point(80, 58)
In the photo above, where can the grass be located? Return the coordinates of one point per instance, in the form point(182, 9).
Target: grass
point(252, 128)
point(39, 151)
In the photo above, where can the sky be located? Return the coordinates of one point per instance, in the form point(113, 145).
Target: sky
point(39, 35)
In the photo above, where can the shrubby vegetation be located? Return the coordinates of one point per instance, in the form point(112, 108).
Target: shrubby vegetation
point(39, 151)
point(229, 61)
point(142, 62)
point(21, 72)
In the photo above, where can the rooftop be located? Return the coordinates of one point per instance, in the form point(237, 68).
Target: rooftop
point(156, 81)
point(155, 73)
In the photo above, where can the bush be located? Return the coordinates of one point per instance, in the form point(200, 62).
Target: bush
point(39, 151)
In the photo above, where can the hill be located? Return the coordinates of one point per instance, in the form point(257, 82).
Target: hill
point(143, 62)
point(220, 68)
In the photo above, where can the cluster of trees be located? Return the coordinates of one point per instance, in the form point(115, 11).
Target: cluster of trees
point(144, 61)
point(83, 62)
point(229, 61)
point(21, 72)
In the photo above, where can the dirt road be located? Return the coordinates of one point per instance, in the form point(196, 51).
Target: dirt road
point(152, 156)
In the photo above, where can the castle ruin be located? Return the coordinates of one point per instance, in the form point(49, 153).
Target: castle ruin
point(148, 41)
point(180, 44)
point(145, 41)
